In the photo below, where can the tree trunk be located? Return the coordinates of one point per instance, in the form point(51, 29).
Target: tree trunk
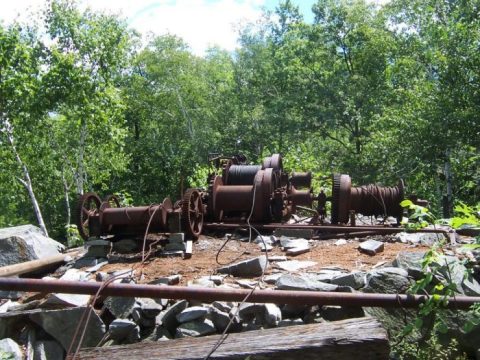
point(448, 197)
point(66, 189)
point(26, 181)
point(80, 174)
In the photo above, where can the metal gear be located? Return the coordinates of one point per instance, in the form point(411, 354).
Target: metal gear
point(192, 213)
point(88, 204)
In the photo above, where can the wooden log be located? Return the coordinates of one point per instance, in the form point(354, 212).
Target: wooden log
point(362, 338)
point(35, 265)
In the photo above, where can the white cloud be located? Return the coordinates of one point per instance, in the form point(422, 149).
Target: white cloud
point(201, 23)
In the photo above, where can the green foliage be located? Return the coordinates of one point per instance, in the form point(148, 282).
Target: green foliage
point(465, 215)
point(379, 92)
point(431, 350)
point(420, 216)
point(73, 236)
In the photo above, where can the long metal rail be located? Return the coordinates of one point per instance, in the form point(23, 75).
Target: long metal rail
point(210, 295)
point(325, 228)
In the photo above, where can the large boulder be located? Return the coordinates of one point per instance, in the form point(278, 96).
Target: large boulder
point(24, 243)
point(61, 325)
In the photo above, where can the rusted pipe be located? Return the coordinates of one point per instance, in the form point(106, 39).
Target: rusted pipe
point(210, 295)
point(327, 228)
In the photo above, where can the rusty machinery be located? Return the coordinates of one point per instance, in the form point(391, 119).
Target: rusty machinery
point(265, 193)
point(259, 193)
point(237, 193)
point(97, 218)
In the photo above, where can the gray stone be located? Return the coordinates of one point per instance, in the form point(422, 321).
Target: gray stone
point(248, 310)
point(61, 324)
point(388, 280)
point(272, 279)
point(150, 308)
point(324, 275)
point(96, 267)
point(340, 242)
point(172, 253)
point(336, 313)
point(291, 282)
point(168, 318)
point(133, 336)
point(293, 311)
point(168, 280)
point(222, 306)
point(298, 250)
point(119, 329)
point(371, 247)
point(175, 246)
point(295, 265)
point(9, 349)
point(290, 322)
point(295, 233)
point(450, 269)
point(202, 282)
point(195, 328)
point(159, 333)
point(251, 267)
point(192, 313)
point(273, 314)
point(125, 246)
point(68, 299)
point(120, 307)
point(176, 238)
point(71, 299)
point(25, 243)
point(273, 258)
point(246, 284)
point(265, 247)
point(262, 239)
point(219, 319)
point(410, 261)
point(427, 239)
point(355, 280)
point(48, 350)
point(289, 243)
point(215, 279)
point(98, 251)
point(86, 261)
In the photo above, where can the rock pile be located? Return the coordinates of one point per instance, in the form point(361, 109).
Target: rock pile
point(45, 327)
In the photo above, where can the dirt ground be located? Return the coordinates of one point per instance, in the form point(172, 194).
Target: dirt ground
point(206, 258)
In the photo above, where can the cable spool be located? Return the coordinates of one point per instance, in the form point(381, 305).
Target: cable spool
point(241, 174)
point(301, 179)
point(368, 200)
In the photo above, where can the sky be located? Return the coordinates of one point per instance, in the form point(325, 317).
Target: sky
point(201, 23)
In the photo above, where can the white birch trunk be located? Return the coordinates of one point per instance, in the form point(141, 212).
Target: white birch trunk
point(26, 180)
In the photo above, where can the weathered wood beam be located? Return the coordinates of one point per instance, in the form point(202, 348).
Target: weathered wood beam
point(35, 265)
point(347, 339)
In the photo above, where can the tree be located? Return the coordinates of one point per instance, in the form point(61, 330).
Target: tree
point(20, 89)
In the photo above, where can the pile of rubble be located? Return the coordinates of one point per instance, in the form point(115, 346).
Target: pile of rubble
point(41, 326)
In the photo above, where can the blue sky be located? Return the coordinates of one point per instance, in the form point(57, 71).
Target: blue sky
point(201, 23)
